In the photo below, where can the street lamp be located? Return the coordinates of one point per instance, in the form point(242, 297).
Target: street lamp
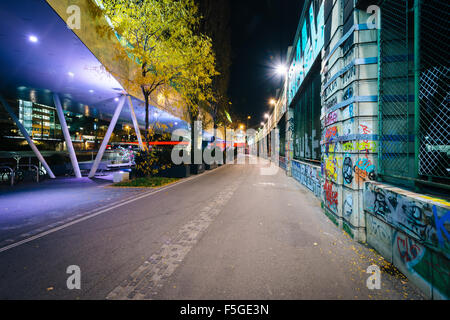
point(266, 116)
point(272, 102)
point(128, 132)
point(281, 70)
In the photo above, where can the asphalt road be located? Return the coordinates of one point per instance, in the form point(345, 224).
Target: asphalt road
point(231, 233)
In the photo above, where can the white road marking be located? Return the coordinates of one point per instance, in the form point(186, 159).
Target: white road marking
point(99, 211)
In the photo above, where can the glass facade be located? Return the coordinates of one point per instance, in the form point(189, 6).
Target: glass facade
point(307, 130)
point(39, 120)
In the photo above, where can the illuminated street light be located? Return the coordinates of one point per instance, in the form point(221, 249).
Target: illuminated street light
point(272, 102)
point(281, 70)
point(266, 116)
point(127, 128)
point(33, 39)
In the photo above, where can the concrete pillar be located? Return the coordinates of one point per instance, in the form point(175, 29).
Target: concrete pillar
point(135, 123)
point(105, 141)
point(27, 137)
point(65, 130)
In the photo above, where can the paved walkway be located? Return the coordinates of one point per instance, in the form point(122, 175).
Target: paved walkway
point(30, 208)
point(228, 234)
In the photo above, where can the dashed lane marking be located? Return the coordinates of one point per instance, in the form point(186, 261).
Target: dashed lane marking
point(146, 281)
point(93, 213)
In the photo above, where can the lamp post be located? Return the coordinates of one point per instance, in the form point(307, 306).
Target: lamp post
point(128, 132)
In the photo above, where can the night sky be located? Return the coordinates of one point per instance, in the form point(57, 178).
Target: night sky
point(262, 30)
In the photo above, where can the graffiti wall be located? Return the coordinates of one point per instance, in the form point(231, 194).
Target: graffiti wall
point(308, 175)
point(307, 48)
point(413, 232)
point(282, 163)
point(349, 114)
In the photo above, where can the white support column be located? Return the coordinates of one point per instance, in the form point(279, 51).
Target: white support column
point(65, 130)
point(105, 141)
point(135, 124)
point(27, 137)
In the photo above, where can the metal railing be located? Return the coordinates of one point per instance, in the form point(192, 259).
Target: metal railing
point(9, 172)
point(20, 174)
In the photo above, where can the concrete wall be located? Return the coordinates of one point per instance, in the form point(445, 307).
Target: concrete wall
point(349, 113)
point(412, 232)
point(308, 175)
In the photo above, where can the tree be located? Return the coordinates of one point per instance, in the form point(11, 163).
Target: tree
point(162, 38)
point(215, 23)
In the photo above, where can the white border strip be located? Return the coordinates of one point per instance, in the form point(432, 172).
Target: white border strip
point(64, 226)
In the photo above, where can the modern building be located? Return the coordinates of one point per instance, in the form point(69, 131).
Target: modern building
point(55, 92)
point(363, 117)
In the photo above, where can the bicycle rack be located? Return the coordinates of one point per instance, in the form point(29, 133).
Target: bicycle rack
point(12, 175)
point(30, 166)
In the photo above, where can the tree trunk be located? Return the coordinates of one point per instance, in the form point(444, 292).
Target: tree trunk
point(147, 120)
point(193, 142)
point(225, 147)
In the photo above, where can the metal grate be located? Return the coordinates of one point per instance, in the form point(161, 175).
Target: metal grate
point(434, 89)
point(396, 107)
point(401, 121)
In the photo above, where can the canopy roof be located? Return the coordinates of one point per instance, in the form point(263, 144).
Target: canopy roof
point(40, 56)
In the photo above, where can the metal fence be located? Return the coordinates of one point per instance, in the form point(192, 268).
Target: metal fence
point(307, 127)
point(414, 91)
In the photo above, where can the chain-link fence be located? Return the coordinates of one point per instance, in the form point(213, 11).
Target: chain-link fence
point(434, 89)
point(414, 62)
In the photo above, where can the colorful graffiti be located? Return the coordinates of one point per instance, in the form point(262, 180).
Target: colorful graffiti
point(331, 118)
point(331, 167)
point(421, 220)
point(331, 133)
point(414, 233)
point(330, 195)
point(366, 145)
point(422, 265)
point(307, 48)
point(364, 169)
point(348, 207)
point(408, 250)
point(379, 235)
point(307, 175)
point(347, 170)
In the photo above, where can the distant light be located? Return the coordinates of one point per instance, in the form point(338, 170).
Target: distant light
point(116, 99)
point(91, 91)
point(281, 70)
point(33, 39)
point(155, 115)
point(71, 74)
point(272, 102)
point(262, 123)
point(266, 116)
point(176, 123)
